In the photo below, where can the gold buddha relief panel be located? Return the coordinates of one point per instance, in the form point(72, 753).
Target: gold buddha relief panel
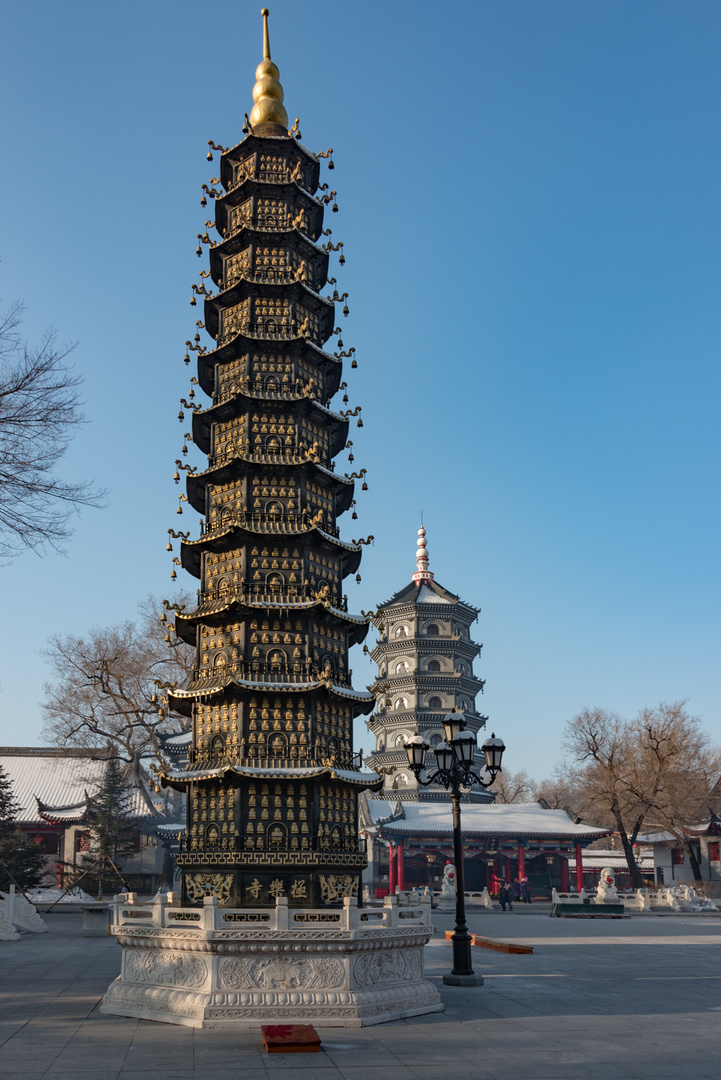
point(333, 730)
point(316, 497)
point(277, 728)
point(237, 267)
point(273, 316)
point(231, 376)
point(214, 817)
point(234, 320)
point(274, 494)
point(337, 830)
point(272, 433)
point(225, 501)
point(278, 817)
point(324, 574)
point(222, 572)
point(314, 440)
point(276, 566)
point(221, 649)
point(230, 438)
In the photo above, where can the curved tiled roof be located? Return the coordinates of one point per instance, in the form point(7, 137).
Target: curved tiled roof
point(479, 819)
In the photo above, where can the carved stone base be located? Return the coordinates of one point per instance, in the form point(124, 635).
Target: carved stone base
point(217, 967)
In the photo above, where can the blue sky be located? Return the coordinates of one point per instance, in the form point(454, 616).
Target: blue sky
point(529, 205)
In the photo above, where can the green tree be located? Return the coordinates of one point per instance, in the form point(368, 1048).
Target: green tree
point(9, 805)
point(22, 860)
point(112, 831)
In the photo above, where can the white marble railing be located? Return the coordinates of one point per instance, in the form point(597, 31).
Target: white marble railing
point(678, 898)
point(165, 911)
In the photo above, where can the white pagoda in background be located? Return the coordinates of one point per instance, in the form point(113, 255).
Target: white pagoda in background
point(425, 657)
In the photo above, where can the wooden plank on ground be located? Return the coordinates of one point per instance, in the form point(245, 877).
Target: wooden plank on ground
point(495, 946)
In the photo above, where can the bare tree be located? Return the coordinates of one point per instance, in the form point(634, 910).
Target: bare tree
point(656, 770)
point(512, 787)
point(39, 412)
point(673, 745)
point(108, 687)
point(561, 792)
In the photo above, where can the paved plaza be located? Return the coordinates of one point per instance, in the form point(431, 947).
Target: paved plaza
point(638, 997)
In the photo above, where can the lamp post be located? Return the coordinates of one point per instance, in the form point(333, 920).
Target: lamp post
point(454, 760)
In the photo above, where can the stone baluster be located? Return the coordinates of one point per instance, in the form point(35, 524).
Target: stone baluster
point(207, 917)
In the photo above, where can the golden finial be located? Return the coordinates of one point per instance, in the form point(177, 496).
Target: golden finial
point(267, 92)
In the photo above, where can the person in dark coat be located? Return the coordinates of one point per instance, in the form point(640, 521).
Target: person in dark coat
point(516, 890)
point(505, 895)
point(525, 891)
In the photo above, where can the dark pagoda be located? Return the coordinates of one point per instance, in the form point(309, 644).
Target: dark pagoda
point(272, 780)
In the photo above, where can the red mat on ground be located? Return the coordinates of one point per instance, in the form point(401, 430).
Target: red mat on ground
point(290, 1038)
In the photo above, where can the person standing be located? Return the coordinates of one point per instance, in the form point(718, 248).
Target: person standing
point(525, 891)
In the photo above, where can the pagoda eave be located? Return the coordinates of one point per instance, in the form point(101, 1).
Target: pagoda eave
point(181, 780)
point(196, 483)
point(254, 143)
point(234, 244)
point(283, 188)
point(241, 342)
point(242, 289)
point(182, 700)
point(223, 540)
point(225, 409)
point(221, 612)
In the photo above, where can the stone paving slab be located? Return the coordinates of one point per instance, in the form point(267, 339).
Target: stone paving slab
point(632, 1000)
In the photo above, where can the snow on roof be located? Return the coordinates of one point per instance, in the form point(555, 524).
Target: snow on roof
point(616, 860)
point(171, 827)
point(427, 596)
point(490, 819)
point(301, 772)
point(183, 738)
point(57, 778)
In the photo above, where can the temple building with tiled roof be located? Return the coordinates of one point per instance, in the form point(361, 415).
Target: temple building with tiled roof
point(53, 788)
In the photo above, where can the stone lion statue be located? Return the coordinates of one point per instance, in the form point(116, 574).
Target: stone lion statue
point(606, 892)
point(448, 888)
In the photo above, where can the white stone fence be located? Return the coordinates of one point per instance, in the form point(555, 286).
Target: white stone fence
point(677, 898)
point(165, 912)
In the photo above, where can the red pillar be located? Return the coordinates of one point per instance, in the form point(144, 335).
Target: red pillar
point(391, 870)
point(401, 866)
point(564, 874)
point(579, 868)
point(521, 862)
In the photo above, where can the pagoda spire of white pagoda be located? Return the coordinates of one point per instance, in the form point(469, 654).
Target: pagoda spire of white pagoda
point(422, 573)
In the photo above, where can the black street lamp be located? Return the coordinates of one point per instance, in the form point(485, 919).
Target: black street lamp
point(454, 760)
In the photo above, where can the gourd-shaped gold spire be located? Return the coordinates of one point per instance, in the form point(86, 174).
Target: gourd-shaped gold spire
point(267, 92)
